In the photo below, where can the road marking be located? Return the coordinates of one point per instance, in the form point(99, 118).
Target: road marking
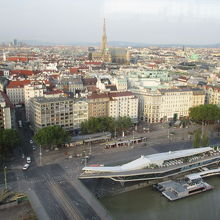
point(65, 202)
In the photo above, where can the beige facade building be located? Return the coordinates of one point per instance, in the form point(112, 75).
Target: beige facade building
point(15, 91)
point(31, 91)
point(163, 104)
point(212, 95)
point(123, 104)
point(69, 113)
point(6, 112)
point(114, 104)
point(98, 105)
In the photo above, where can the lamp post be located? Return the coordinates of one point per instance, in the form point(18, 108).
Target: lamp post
point(40, 155)
point(5, 175)
point(90, 147)
point(133, 140)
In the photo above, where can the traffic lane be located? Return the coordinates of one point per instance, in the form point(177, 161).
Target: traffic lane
point(24, 131)
point(117, 156)
point(44, 172)
point(79, 202)
point(51, 205)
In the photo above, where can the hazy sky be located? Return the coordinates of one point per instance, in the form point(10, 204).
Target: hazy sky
point(148, 21)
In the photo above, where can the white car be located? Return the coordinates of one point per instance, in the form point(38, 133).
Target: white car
point(31, 142)
point(26, 166)
point(28, 160)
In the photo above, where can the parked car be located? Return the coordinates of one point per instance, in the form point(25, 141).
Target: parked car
point(28, 160)
point(31, 142)
point(26, 166)
point(34, 147)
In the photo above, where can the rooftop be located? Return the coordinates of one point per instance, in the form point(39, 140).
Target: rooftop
point(145, 161)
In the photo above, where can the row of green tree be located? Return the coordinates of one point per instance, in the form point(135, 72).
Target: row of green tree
point(9, 139)
point(205, 114)
point(52, 137)
point(94, 125)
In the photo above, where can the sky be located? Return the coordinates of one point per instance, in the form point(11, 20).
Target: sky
point(142, 21)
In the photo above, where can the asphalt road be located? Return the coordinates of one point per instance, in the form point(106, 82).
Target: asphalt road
point(51, 184)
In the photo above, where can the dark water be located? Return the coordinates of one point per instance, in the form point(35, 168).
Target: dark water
point(149, 204)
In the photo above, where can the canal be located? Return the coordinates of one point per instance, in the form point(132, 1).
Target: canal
point(148, 204)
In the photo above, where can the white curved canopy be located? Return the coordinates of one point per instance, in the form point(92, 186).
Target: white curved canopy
point(145, 161)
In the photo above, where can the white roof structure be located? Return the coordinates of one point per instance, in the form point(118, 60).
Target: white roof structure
point(145, 161)
point(205, 173)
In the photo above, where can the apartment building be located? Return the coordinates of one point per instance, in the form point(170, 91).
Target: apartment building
point(69, 113)
point(212, 95)
point(15, 91)
point(123, 104)
point(30, 91)
point(114, 104)
point(6, 112)
point(163, 104)
point(98, 105)
point(121, 84)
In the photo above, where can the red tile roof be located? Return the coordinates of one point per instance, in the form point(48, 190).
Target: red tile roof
point(98, 96)
point(16, 59)
point(109, 95)
point(74, 70)
point(118, 94)
point(53, 92)
point(18, 84)
point(22, 72)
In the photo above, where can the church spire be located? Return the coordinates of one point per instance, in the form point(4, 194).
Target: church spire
point(104, 39)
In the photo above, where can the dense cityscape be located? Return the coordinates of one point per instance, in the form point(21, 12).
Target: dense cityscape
point(86, 129)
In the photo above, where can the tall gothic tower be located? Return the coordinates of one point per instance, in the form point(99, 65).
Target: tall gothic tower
point(104, 40)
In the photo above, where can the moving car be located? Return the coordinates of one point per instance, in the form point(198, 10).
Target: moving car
point(28, 160)
point(31, 142)
point(26, 166)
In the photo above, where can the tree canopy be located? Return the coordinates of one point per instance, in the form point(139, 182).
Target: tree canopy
point(208, 113)
point(94, 125)
point(51, 137)
point(9, 138)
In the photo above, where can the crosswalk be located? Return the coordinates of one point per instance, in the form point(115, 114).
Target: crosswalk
point(23, 182)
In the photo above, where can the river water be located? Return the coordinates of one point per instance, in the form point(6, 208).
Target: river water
point(148, 204)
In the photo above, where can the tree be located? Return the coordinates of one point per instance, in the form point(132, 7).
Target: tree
point(208, 113)
point(94, 125)
point(51, 137)
point(123, 123)
point(9, 138)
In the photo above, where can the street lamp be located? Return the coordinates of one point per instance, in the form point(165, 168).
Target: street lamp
point(40, 155)
point(90, 146)
point(5, 175)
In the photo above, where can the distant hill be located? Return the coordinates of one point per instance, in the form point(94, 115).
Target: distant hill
point(118, 44)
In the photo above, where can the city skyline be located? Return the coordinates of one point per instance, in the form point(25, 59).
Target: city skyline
point(149, 22)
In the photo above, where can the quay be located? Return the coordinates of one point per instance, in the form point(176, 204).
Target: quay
point(174, 190)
